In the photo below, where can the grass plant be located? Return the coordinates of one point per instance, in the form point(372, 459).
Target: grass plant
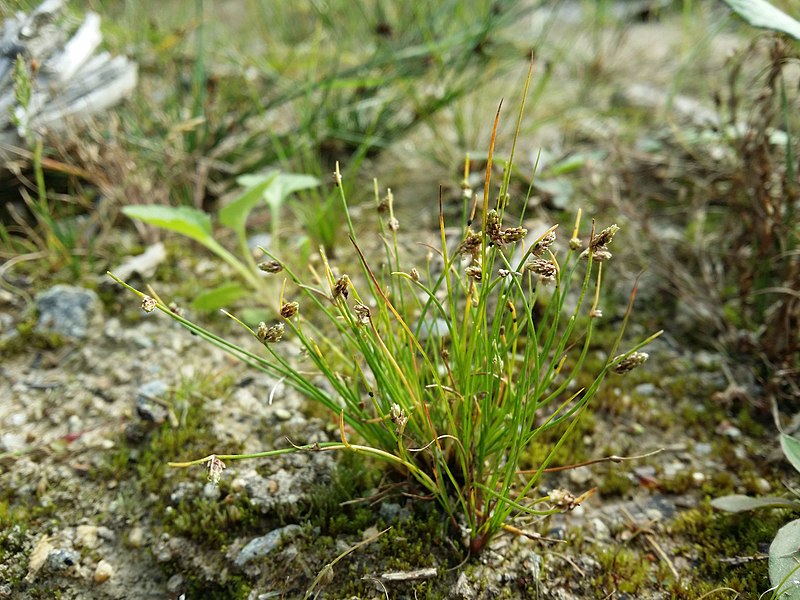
point(340, 79)
point(451, 373)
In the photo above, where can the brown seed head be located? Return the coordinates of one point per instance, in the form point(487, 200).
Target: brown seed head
point(603, 238)
point(545, 269)
point(383, 204)
point(341, 286)
point(362, 313)
point(513, 234)
point(269, 334)
point(474, 272)
point(601, 254)
point(493, 228)
point(271, 266)
point(563, 500)
point(629, 364)
point(289, 309)
point(541, 246)
point(471, 246)
point(399, 418)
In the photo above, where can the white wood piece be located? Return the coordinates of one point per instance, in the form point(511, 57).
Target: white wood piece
point(70, 80)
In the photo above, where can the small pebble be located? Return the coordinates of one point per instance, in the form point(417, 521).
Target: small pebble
point(698, 477)
point(702, 449)
point(17, 419)
point(259, 547)
point(282, 414)
point(136, 537)
point(86, 536)
point(74, 424)
point(601, 530)
point(645, 389)
point(60, 559)
point(762, 486)
point(103, 572)
point(174, 583)
point(12, 442)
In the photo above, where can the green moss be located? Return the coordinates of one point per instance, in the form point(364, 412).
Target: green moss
point(622, 570)
point(615, 482)
point(353, 478)
point(412, 543)
point(712, 537)
point(28, 339)
point(211, 521)
point(417, 541)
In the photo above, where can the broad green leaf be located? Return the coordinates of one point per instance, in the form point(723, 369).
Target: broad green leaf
point(791, 448)
point(286, 184)
point(784, 562)
point(219, 296)
point(283, 184)
point(740, 503)
point(760, 13)
point(191, 222)
point(235, 214)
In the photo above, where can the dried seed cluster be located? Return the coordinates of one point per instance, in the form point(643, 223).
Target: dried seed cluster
point(148, 304)
point(598, 245)
point(471, 245)
point(271, 266)
point(362, 313)
point(545, 269)
point(341, 286)
point(399, 418)
point(289, 309)
point(269, 334)
point(563, 500)
point(474, 272)
point(540, 246)
point(629, 364)
point(215, 469)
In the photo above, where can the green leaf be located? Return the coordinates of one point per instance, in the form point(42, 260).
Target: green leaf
point(740, 503)
point(235, 214)
point(191, 222)
point(791, 448)
point(784, 562)
point(219, 296)
point(286, 184)
point(283, 184)
point(760, 13)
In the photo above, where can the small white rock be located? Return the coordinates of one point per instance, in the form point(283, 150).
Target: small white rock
point(282, 414)
point(103, 572)
point(86, 536)
point(17, 419)
point(136, 537)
